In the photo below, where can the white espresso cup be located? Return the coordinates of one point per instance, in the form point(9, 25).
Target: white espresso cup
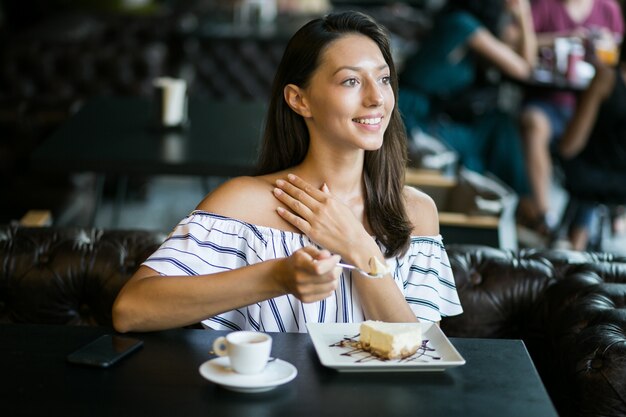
point(248, 351)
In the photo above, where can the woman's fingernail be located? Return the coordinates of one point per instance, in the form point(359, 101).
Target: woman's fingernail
point(277, 191)
point(291, 177)
point(280, 183)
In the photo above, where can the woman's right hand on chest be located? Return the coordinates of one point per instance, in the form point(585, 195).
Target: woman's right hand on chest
point(318, 214)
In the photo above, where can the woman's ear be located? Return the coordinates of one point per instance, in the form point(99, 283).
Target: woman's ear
point(294, 96)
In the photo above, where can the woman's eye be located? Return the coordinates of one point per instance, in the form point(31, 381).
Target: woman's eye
point(351, 82)
point(386, 80)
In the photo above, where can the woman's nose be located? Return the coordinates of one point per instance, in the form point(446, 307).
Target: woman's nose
point(374, 95)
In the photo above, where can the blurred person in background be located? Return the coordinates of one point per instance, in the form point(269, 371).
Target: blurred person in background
point(593, 147)
point(438, 84)
point(545, 116)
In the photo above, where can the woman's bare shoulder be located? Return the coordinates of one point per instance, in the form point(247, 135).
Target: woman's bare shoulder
point(250, 199)
point(422, 212)
point(240, 195)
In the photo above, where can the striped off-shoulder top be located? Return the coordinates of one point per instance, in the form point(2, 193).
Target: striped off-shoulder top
point(205, 243)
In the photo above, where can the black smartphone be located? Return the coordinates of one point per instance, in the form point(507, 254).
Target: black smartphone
point(105, 350)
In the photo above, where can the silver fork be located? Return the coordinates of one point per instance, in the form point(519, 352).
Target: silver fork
point(362, 271)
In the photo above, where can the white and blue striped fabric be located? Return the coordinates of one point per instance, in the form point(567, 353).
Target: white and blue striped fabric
point(206, 243)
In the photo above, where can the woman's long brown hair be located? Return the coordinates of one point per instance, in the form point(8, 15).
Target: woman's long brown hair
point(286, 137)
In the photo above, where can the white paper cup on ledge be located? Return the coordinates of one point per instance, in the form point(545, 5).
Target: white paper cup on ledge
point(171, 96)
point(248, 351)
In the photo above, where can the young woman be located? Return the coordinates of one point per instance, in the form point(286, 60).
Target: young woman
point(261, 252)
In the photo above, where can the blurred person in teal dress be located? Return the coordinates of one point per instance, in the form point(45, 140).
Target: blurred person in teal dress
point(437, 77)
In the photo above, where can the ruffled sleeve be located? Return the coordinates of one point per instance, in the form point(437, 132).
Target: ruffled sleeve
point(429, 285)
point(204, 243)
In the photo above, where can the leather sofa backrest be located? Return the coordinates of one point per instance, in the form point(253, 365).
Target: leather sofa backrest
point(67, 276)
point(499, 293)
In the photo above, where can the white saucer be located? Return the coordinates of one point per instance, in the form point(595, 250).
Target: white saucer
point(276, 373)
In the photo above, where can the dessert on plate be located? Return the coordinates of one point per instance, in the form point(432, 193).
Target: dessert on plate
point(390, 340)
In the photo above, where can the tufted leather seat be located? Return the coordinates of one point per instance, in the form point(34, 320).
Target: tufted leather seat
point(587, 336)
point(499, 292)
point(67, 276)
point(568, 307)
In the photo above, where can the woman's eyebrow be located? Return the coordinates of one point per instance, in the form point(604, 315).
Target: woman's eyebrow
point(348, 67)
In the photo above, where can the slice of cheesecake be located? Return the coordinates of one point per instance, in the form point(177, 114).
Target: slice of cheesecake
point(390, 340)
point(377, 267)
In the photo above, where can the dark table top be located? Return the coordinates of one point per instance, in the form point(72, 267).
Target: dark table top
point(115, 135)
point(162, 379)
point(541, 80)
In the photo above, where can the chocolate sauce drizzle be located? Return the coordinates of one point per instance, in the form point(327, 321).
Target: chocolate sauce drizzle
point(423, 354)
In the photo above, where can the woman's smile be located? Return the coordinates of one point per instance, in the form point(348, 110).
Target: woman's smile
point(372, 124)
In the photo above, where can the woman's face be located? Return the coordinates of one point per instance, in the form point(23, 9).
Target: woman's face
point(349, 97)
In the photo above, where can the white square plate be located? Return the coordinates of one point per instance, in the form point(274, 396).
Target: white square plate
point(437, 354)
